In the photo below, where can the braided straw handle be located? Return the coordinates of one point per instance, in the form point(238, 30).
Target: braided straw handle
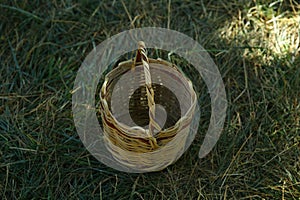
point(142, 57)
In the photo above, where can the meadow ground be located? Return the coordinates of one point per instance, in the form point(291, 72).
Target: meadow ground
point(256, 46)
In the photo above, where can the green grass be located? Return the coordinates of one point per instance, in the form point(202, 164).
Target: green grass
point(258, 155)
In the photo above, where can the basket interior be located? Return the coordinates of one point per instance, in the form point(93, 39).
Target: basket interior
point(166, 100)
point(127, 97)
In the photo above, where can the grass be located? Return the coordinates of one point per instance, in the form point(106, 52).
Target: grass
point(256, 46)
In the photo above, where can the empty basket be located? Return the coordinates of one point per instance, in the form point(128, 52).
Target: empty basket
point(147, 120)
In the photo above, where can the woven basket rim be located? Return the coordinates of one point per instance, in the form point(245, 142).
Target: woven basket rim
point(137, 133)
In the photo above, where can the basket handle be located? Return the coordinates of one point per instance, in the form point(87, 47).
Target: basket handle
point(141, 56)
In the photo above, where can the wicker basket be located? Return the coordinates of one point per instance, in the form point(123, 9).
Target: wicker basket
point(138, 140)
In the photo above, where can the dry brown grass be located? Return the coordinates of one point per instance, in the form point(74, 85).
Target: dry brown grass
point(273, 35)
point(255, 46)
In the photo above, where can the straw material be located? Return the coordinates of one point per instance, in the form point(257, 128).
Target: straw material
point(159, 144)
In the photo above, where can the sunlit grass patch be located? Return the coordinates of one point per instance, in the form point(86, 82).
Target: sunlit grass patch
point(42, 45)
point(265, 33)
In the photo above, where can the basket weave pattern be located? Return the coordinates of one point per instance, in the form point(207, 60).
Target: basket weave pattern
point(134, 145)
